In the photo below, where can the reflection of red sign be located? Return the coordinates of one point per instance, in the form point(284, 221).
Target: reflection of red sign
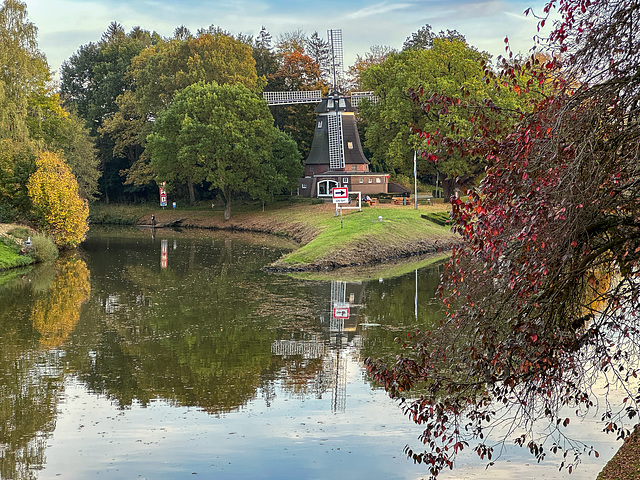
point(164, 253)
point(341, 312)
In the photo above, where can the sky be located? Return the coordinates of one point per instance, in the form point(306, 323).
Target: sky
point(65, 25)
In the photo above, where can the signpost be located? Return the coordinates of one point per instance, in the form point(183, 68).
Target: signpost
point(163, 195)
point(340, 196)
point(341, 310)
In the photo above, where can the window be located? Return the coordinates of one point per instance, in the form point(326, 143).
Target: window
point(320, 124)
point(378, 180)
point(361, 180)
point(354, 168)
point(345, 180)
point(350, 145)
point(325, 186)
point(304, 185)
point(370, 180)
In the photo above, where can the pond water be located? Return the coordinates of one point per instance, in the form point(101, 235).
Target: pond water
point(168, 354)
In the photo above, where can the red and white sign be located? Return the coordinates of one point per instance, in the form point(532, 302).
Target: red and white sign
point(340, 194)
point(341, 312)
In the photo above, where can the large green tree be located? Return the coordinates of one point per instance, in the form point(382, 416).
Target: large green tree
point(446, 67)
point(91, 81)
point(224, 135)
point(157, 75)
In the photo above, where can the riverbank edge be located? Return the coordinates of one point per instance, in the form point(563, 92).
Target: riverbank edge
point(299, 223)
point(625, 464)
point(14, 260)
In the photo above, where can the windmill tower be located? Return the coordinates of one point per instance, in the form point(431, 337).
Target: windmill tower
point(336, 158)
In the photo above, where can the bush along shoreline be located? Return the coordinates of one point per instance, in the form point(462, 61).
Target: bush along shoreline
point(20, 246)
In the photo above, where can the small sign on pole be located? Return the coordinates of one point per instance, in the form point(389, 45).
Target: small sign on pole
point(163, 194)
point(340, 194)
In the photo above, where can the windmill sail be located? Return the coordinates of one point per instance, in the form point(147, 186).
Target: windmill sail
point(337, 62)
point(289, 98)
point(336, 156)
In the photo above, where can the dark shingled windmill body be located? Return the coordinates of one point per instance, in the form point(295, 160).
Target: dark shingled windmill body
point(336, 158)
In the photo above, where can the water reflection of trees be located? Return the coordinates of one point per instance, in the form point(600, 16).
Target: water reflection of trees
point(30, 369)
point(213, 332)
point(197, 333)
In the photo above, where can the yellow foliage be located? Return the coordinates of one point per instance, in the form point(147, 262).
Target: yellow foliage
point(55, 316)
point(598, 283)
point(54, 193)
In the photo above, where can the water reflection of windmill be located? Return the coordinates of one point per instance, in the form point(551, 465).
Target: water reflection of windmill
point(336, 158)
point(333, 351)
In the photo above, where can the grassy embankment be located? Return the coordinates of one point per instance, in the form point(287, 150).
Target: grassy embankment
point(9, 256)
point(12, 248)
point(325, 240)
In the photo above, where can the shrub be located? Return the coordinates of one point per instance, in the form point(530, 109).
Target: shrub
point(54, 193)
point(43, 249)
point(19, 232)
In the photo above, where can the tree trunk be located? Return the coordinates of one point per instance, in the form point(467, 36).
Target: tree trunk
point(225, 193)
point(449, 187)
point(227, 209)
point(192, 195)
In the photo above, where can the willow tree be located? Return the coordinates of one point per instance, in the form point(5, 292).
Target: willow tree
point(542, 295)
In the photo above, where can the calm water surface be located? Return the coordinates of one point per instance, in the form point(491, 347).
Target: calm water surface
point(174, 356)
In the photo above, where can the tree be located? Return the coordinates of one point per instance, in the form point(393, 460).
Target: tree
point(24, 68)
point(266, 60)
point(157, 74)
point(423, 38)
point(91, 81)
point(296, 71)
point(222, 134)
point(320, 52)
point(54, 192)
point(31, 117)
point(55, 129)
point(443, 69)
point(543, 293)
point(376, 55)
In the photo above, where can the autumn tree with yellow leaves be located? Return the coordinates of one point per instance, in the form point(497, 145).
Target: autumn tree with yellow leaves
point(56, 203)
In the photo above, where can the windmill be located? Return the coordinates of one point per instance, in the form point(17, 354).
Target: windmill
point(336, 144)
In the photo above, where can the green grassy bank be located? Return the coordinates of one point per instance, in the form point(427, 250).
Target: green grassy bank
point(327, 241)
point(13, 251)
point(10, 257)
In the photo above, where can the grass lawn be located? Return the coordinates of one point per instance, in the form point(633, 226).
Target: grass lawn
point(398, 227)
point(361, 237)
point(9, 257)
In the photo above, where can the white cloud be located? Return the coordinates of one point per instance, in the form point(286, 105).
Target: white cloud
point(377, 9)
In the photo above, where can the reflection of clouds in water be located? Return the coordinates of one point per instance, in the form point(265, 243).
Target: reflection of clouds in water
point(516, 462)
point(368, 437)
